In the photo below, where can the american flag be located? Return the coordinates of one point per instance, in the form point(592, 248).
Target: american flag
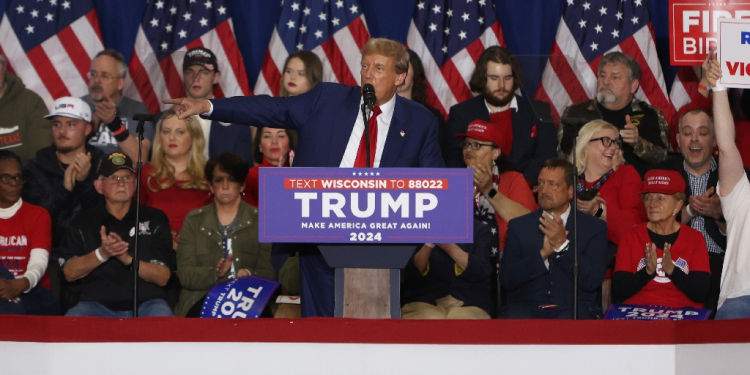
point(588, 30)
point(335, 30)
point(685, 96)
point(449, 36)
point(49, 44)
point(168, 29)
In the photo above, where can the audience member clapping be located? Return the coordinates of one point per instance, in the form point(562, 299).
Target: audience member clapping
point(220, 241)
point(662, 262)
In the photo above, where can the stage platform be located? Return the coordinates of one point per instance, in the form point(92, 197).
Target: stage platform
point(63, 345)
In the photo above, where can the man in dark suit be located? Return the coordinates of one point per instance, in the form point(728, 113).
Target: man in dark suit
point(537, 266)
point(496, 77)
point(330, 127)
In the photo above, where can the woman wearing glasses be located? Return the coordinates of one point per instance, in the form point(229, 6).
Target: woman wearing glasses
point(607, 189)
point(26, 231)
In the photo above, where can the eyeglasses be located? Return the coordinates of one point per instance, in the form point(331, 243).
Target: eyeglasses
point(8, 178)
point(104, 76)
point(112, 180)
point(606, 141)
point(474, 145)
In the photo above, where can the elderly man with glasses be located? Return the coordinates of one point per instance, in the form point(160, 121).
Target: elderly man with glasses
point(99, 244)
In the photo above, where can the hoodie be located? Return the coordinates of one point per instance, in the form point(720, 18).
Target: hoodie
point(23, 128)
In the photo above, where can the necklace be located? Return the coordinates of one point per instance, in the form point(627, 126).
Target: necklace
point(229, 228)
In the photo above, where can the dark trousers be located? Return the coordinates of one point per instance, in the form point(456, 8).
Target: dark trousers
point(316, 283)
point(716, 262)
point(38, 301)
point(529, 310)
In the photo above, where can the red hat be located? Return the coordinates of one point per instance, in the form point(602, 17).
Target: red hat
point(487, 132)
point(663, 181)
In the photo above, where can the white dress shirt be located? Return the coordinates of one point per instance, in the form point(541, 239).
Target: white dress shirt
point(564, 218)
point(384, 124)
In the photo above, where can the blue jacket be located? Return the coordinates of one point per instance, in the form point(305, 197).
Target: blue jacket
point(232, 138)
point(526, 278)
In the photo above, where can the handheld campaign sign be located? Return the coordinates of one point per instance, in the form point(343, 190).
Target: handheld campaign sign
point(734, 52)
point(647, 312)
point(239, 298)
point(365, 206)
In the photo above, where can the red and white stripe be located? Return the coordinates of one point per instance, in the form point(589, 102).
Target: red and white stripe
point(569, 79)
point(448, 85)
point(340, 55)
point(685, 86)
point(58, 66)
point(152, 81)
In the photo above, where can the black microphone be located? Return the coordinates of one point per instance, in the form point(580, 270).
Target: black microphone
point(143, 117)
point(368, 93)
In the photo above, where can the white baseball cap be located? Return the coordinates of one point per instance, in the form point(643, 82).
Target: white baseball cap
point(70, 107)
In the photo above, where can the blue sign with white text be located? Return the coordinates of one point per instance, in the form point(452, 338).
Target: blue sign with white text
point(650, 312)
point(239, 298)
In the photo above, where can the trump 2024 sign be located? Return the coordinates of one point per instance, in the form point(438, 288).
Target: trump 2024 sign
point(388, 205)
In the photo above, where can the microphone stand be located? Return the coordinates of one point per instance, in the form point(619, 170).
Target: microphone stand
point(139, 167)
point(366, 119)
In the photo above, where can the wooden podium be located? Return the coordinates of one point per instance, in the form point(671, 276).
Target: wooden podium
point(367, 279)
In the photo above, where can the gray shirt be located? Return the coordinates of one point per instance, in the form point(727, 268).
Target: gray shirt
point(105, 140)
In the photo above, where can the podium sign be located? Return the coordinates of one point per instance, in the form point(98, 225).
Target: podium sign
point(365, 206)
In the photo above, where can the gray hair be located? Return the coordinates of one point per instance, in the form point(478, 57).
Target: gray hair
point(634, 69)
point(122, 67)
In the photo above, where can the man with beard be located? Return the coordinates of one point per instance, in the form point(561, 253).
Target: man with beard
point(643, 129)
point(112, 112)
point(496, 77)
point(537, 267)
point(60, 177)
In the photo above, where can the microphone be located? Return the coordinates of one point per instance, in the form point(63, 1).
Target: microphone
point(368, 93)
point(143, 117)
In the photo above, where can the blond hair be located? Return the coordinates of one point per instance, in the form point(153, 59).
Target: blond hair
point(389, 48)
point(584, 137)
point(164, 176)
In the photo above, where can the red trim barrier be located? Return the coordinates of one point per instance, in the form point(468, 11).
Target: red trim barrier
point(336, 330)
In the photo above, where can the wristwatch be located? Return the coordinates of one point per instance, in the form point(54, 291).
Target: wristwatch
point(491, 194)
point(600, 211)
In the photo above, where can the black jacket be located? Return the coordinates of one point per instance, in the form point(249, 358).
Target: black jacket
point(44, 187)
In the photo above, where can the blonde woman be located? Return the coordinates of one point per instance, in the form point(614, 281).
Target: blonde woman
point(174, 182)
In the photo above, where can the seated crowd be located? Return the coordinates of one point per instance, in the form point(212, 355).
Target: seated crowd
point(651, 229)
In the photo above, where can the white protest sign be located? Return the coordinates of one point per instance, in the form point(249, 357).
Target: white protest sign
point(734, 52)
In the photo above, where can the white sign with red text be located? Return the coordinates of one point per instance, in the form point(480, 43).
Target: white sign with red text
point(734, 52)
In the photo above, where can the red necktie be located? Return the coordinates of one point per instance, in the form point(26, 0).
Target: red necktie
point(360, 162)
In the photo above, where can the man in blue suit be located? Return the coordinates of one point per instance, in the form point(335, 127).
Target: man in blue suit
point(330, 127)
point(537, 266)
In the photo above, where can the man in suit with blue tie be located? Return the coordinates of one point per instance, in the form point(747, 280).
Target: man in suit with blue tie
point(537, 266)
point(327, 118)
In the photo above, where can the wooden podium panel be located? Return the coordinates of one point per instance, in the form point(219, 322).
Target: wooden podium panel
point(367, 293)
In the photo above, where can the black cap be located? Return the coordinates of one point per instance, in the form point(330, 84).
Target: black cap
point(200, 56)
point(113, 162)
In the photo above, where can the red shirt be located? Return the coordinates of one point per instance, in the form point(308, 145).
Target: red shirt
point(30, 228)
point(689, 253)
point(513, 185)
point(251, 184)
point(175, 201)
point(625, 208)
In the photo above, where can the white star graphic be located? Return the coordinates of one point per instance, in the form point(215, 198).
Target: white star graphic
point(420, 5)
point(468, 1)
point(164, 46)
point(615, 34)
point(586, 6)
point(619, 15)
point(222, 10)
point(49, 17)
point(465, 16)
point(603, 11)
point(493, 230)
point(208, 4)
point(354, 173)
point(29, 29)
point(353, 9)
point(377, 173)
point(582, 23)
point(447, 31)
point(303, 29)
point(183, 34)
point(290, 24)
point(53, 2)
point(598, 29)
point(436, 9)
point(634, 20)
point(173, 10)
point(360, 173)
point(295, 6)
point(594, 46)
point(159, 4)
point(306, 11)
point(445, 49)
point(570, 2)
point(318, 34)
point(462, 35)
point(638, 3)
point(192, 1)
point(168, 27)
point(154, 22)
point(187, 16)
point(339, 4)
point(494, 250)
point(433, 27)
point(322, 16)
point(335, 21)
point(449, 12)
point(203, 21)
point(482, 2)
point(19, 9)
point(299, 46)
point(34, 13)
point(481, 20)
point(66, 4)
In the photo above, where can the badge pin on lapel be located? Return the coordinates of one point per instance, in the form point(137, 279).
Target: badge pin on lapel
point(403, 133)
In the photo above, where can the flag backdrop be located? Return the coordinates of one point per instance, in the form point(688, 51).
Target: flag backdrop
point(449, 36)
point(335, 30)
point(168, 29)
point(587, 31)
point(50, 44)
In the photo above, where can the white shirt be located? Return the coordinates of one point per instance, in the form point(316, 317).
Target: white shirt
point(513, 105)
point(735, 278)
point(384, 124)
point(206, 126)
point(564, 218)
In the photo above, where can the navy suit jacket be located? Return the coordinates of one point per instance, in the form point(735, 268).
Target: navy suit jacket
point(324, 118)
point(529, 152)
point(232, 138)
point(527, 280)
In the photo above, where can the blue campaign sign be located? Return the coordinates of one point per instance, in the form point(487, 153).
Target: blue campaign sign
point(360, 205)
point(239, 298)
point(650, 312)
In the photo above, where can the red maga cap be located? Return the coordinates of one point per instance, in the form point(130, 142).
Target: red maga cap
point(484, 131)
point(663, 181)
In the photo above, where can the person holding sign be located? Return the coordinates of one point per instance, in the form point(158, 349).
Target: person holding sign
point(662, 262)
point(219, 241)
